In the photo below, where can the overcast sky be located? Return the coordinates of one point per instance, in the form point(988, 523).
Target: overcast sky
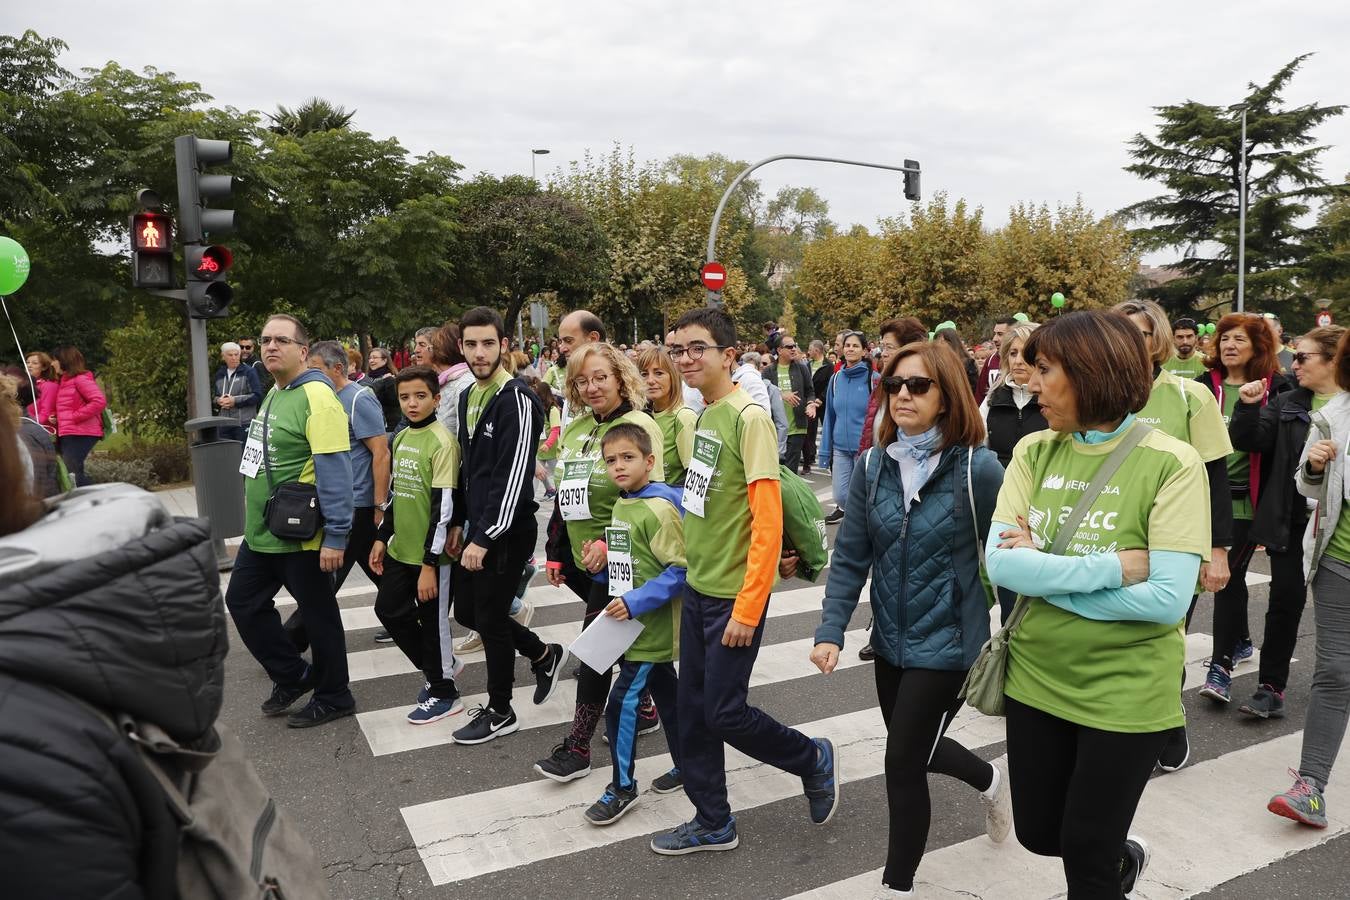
point(1000, 101)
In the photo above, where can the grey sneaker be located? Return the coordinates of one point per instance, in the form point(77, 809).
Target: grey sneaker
point(472, 641)
point(998, 814)
point(668, 783)
point(613, 804)
point(1303, 803)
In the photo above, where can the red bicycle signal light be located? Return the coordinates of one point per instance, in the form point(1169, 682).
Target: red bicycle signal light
point(208, 263)
point(151, 232)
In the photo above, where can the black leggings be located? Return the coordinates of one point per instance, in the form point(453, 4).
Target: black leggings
point(1288, 596)
point(917, 706)
point(593, 686)
point(1074, 793)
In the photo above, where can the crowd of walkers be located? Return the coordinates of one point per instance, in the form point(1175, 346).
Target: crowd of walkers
point(1086, 477)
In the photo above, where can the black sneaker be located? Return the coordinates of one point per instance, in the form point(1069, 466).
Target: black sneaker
point(316, 712)
point(867, 653)
point(1176, 751)
point(612, 805)
point(1266, 703)
point(668, 783)
point(383, 637)
point(835, 517)
point(284, 696)
point(486, 724)
point(1133, 865)
point(566, 764)
point(547, 672)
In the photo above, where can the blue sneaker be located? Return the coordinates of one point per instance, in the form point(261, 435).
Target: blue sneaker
point(692, 837)
point(822, 787)
point(424, 693)
point(433, 709)
point(1242, 652)
point(1218, 684)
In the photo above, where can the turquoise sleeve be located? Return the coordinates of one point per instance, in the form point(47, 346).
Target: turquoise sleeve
point(1036, 573)
point(1163, 599)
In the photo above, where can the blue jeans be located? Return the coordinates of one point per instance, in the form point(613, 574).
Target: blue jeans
point(841, 467)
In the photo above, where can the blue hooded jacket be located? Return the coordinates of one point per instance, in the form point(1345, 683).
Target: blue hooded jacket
point(846, 408)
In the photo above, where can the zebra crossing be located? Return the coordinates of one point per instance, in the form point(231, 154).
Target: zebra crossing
point(486, 831)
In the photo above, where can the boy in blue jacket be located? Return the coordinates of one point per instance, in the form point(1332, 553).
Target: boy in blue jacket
point(645, 569)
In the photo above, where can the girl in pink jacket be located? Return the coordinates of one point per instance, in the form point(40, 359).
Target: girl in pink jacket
point(79, 412)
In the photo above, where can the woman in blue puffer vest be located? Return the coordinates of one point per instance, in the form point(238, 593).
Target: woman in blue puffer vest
point(845, 409)
point(921, 499)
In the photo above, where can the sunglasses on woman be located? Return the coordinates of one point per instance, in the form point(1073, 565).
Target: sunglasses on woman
point(917, 385)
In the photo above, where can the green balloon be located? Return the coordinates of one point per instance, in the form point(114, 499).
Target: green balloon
point(942, 326)
point(1210, 328)
point(1021, 317)
point(14, 266)
point(1056, 299)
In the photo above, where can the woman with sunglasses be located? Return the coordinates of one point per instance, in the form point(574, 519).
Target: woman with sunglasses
point(665, 399)
point(1245, 357)
point(1091, 681)
point(918, 503)
point(845, 414)
point(604, 388)
point(1189, 413)
point(1277, 432)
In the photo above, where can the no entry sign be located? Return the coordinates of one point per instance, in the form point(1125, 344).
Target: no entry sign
point(1323, 319)
point(714, 276)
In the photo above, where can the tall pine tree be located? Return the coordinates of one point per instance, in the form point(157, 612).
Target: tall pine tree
point(1195, 156)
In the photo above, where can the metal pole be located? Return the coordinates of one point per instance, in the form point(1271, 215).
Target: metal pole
point(533, 175)
point(1242, 216)
point(715, 297)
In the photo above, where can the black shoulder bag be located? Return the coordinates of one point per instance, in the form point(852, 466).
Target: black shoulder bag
point(292, 512)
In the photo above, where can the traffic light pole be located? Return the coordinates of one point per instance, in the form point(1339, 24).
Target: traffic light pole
point(715, 297)
point(199, 360)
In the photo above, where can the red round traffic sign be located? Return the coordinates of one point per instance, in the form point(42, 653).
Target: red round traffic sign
point(1323, 319)
point(714, 276)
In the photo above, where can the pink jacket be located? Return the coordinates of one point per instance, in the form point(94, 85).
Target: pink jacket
point(46, 403)
point(79, 406)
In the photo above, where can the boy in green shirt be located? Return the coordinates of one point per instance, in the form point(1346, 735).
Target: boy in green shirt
point(413, 602)
point(734, 536)
point(645, 568)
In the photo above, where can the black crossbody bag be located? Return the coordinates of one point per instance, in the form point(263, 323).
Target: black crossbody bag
point(292, 511)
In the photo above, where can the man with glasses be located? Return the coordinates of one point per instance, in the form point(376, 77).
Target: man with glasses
point(794, 380)
point(298, 437)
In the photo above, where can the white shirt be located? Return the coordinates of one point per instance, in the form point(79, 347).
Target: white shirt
point(749, 378)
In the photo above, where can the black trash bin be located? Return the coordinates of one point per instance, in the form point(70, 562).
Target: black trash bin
point(216, 477)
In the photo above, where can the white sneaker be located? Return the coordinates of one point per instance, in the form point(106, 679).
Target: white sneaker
point(998, 815)
point(525, 615)
point(472, 642)
point(889, 893)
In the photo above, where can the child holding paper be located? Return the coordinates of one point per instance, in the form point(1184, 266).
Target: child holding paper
point(645, 567)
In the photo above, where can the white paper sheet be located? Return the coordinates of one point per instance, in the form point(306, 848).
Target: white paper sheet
point(604, 641)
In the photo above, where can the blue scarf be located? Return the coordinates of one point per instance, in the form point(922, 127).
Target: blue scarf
point(919, 448)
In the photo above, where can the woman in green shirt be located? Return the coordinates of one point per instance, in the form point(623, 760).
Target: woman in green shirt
point(604, 387)
point(1091, 689)
point(665, 396)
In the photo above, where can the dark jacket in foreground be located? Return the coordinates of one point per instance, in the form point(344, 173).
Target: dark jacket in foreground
point(496, 476)
point(1278, 432)
point(111, 600)
point(1007, 424)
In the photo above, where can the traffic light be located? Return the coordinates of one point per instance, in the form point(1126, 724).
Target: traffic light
point(151, 243)
point(208, 296)
point(911, 179)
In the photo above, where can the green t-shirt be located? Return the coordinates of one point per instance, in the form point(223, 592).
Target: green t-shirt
point(785, 385)
point(1321, 400)
point(1185, 369)
point(424, 458)
point(580, 446)
point(718, 542)
point(480, 394)
point(1115, 676)
point(302, 420)
point(1239, 463)
point(554, 421)
point(1187, 411)
point(677, 437)
point(656, 537)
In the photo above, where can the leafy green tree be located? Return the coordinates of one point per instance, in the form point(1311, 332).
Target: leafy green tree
point(1196, 157)
point(839, 283)
point(932, 263)
point(315, 114)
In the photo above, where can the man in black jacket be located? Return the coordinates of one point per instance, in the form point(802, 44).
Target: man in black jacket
point(793, 378)
point(493, 522)
point(820, 380)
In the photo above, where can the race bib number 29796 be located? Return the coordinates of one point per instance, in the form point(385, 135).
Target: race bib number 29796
point(698, 477)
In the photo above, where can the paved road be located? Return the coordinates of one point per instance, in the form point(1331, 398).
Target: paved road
point(397, 811)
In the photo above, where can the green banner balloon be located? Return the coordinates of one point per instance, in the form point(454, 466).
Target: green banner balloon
point(942, 326)
point(1022, 317)
point(1057, 300)
point(14, 266)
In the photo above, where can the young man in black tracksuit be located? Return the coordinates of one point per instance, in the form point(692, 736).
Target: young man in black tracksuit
point(493, 525)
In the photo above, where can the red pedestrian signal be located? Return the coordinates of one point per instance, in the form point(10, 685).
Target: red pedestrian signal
point(152, 231)
point(151, 249)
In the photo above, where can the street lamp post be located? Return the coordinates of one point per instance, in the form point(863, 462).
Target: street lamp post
point(1242, 214)
point(910, 169)
point(534, 155)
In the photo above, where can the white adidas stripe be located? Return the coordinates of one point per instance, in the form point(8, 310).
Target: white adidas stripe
point(387, 730)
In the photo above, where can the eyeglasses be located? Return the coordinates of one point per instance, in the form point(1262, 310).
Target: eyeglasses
point(583, 382)
point(917, 385)
point(1302, 358)
point(281, 341)
point(695, 351)
point(787, 346)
